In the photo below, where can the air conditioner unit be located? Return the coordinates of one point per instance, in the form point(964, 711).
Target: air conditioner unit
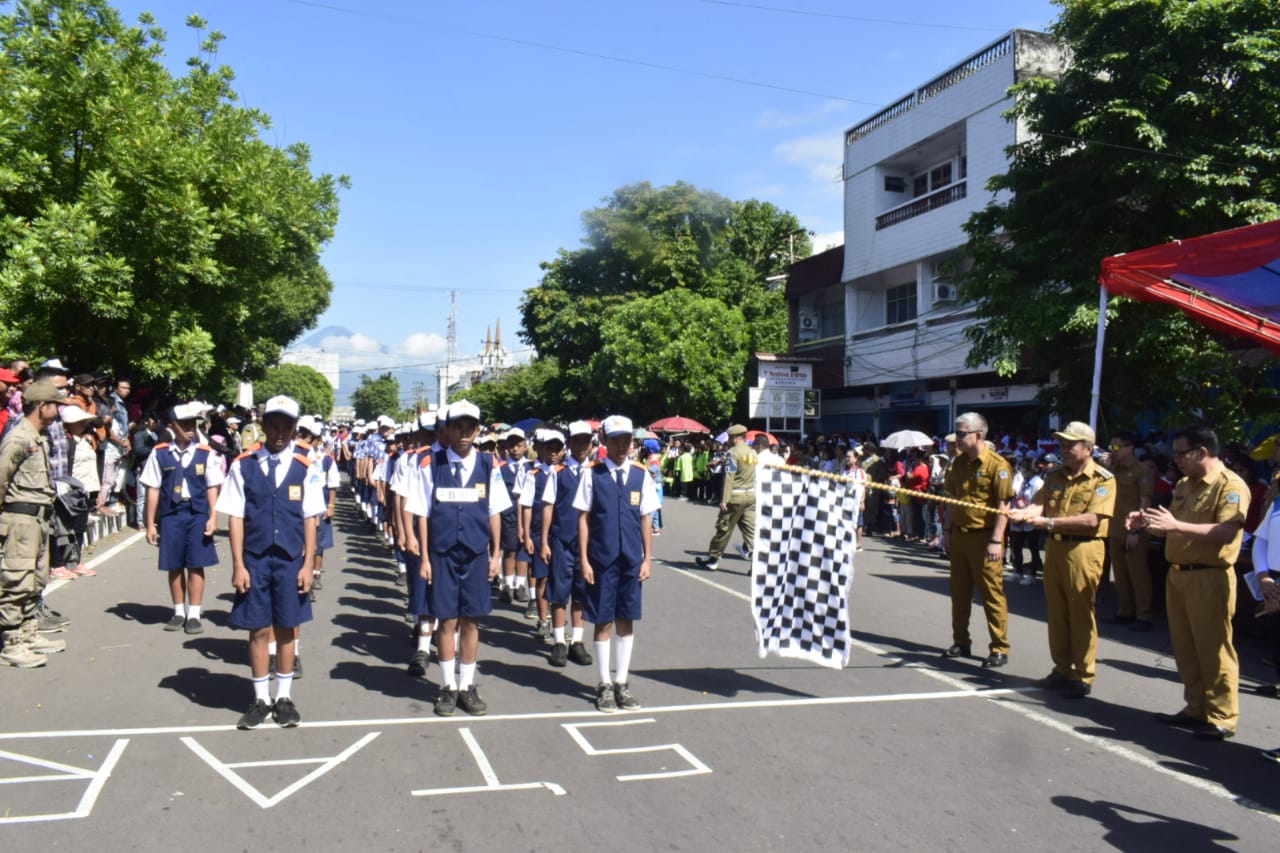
point(808, 322)
point(944, 292)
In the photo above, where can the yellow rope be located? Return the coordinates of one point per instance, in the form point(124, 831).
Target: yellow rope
point(840, 478)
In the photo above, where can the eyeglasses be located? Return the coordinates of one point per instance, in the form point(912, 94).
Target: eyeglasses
point(961, 433)
point(1178, 454)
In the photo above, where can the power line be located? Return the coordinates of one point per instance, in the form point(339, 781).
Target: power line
point(839, 17)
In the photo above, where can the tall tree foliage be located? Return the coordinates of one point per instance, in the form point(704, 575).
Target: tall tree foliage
point(374, 397)
point(1163, 127)
point(645, 242)
point(144, 224)
point(304, 384)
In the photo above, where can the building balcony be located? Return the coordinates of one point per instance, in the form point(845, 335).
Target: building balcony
point(925, 203)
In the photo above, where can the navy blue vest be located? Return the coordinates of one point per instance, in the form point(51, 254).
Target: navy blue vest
point(540, 476)
point(326, 465)
point(564, 518)
point(614, 522)
point(465, 524)
point(192, 482)
point(507, 469)
point(273, 516)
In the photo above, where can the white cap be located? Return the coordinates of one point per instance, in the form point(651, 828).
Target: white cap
point(580, 428)
point(74, 414)
point(359, 422)
point(543, 436)
point(282, 404)
point(184, 412)
point(310, 424)
point(427, 420)
point(233, 419)
point(386, 421)
point(617, 425)
point(54, 364)
point(514, 432)
point(463, 409)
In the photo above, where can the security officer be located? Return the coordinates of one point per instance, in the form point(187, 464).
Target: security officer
point(738, 502)
point(1134, 487)
point(1202, 529)
point(26, 505)
point(975, 539)
point(1074, 508)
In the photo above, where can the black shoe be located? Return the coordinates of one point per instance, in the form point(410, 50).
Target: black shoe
point(559, 654)
point(505, 595)
point(1053, 681)
point(193, 626)
point(1076, 690)
point(316, 582)
point(297, 667)
point(471, 702)
point(531, 609)
point(578, 654)
point(1212, 731)
point(402, 578)
point(956, 651)
point(708, 563)
point(995, 660)
point(1272, 754)
point(175, 623)
point(606, 702)
point(286, 713)
point(521, 595)
point(1140, 625)
point(1272, 690)
point(1181, 720)
point(543, 630)
point(418, 664)
point(622, 696)
point(447, 703)
point(257, 714)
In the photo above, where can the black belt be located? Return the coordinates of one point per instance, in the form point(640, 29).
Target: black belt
point(1193, 567)
point(37, 510)
point(1067, 537)
point(974, 529)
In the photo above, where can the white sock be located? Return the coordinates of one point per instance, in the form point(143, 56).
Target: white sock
point(557, 634)
point(602, 661)
point(284, 681)
point(271, 647)
point(424, 642)
point(447, 676)
point(522, 582)
point(400, 567)
point(261, 689)
point(297, 647)
point(193, 612)
point(622, 646)
point(577, 633)
point(466, 675)
point(508, 581)
point(180, 610)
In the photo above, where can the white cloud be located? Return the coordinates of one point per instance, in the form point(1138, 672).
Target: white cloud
point(360, 352)
point(777, 119)
point(820, 154)
point(827, 240)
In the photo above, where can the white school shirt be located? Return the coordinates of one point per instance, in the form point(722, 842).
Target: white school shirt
point(549, 493)
point(231, 498)
point(648, 492)
point(330, 480)
point(213, 475)
point(413, 478)
point(1266, 550)
point(527, 492)
point(418, 501)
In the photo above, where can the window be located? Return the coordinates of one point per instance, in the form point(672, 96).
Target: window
point(895, 184)
point(900, 303)
point(934, 178)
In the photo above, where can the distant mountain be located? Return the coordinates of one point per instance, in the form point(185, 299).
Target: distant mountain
point(315, 338)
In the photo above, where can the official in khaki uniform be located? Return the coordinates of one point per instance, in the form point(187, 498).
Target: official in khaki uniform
point(738, 502)
point(975, 539)
point(1074, 508)
point(26, 505)
point(1134, 487)
point(1202, 529)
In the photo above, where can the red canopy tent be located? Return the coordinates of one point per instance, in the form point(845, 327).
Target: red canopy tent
point(1228, 281)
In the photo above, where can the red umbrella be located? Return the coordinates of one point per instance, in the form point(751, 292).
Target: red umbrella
point(752, 433)
point(677, 424)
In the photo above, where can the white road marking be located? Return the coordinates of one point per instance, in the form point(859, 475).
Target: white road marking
point(98, 778)
point(227, 771)
point(997, 696)
point(696, 767)
point(491, 782)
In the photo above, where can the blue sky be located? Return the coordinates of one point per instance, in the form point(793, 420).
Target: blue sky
point(476, 133)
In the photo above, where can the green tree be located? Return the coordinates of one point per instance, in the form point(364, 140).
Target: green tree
point(1164, 126)
point(144, 224)
point(304, 384)
point(374, 397)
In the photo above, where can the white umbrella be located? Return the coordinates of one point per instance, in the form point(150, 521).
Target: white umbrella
point(903, 439)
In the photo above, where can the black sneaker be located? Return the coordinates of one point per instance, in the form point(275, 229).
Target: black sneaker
point(175, 623)
point(711, 564)
point(471, 702)
point(520, 595)
point(543, 630)
point(622, 695)
point(402, 579)
point(285, 712)
point(531, 609)
point(316, 582)
point(559, 655)
point(47, 613)
point(447, 703)
point(418, 664)
point(578, 654)
point(505, 595)
point(605, 701)
point(192, 626)
point(297, 667)
point(257, 714)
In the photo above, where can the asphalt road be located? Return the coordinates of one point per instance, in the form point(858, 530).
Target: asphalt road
point(127, 740)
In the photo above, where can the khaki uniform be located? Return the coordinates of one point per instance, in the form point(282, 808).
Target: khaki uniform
point(1200, 596)
point(987, 480)
point(740, 498)
point(25, 479)
point(1074, 564)
point(1134, 486)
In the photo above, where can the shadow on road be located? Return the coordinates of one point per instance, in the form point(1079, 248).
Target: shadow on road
point(719, 682)
point(1130, 828)
point(210, 690)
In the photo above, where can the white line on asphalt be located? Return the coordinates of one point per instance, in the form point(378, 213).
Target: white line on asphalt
point(998, 697)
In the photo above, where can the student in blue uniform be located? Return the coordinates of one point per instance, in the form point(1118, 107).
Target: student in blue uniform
point(424, 439)
point(182, 483)
point(457, 503)
point(274, 506)
point(559, 548)
point(615, 541)
point(515, 562)
point(548, 444)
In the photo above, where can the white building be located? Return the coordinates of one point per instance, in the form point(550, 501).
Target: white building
point(492, 364)
point(914, 172)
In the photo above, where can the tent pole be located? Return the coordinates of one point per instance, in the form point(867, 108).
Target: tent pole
point(1097, 358)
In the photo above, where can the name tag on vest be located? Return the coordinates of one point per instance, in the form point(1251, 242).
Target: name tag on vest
point(635, 499)
point(295, 493)
point(458, 496)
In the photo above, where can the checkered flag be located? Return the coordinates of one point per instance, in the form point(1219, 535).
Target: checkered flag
point(803, 566)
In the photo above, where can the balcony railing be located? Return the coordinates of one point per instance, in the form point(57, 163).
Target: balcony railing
point(924, 204)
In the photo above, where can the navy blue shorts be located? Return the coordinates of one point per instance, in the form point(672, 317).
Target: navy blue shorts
point(614, 595)
point(183, 544)
point(324, 535)
point(419, 590)
point(273, 598)
point(565, 581)
point(508, 539)
point(540, 569)
point(460, 584)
